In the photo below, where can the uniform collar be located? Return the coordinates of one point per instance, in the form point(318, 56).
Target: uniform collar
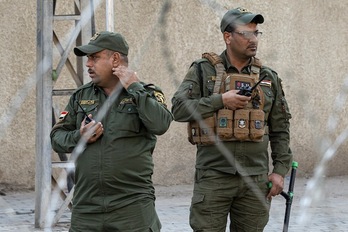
point(230, 68)
point(96, 88)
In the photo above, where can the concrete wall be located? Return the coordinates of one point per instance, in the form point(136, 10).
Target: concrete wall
point(304, 41)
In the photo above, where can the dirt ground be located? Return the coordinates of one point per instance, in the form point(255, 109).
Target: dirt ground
point(13, 188)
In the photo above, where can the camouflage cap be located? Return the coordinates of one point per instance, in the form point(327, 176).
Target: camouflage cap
point(239, 16)
point(103, 40)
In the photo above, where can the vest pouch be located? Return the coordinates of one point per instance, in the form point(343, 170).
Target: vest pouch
point(207, 131)
point(257, 125)
point(193, 132)
point(241, 124)
point(238, 81)
point(224, 124)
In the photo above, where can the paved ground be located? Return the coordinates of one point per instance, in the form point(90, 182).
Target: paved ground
point(329, 215)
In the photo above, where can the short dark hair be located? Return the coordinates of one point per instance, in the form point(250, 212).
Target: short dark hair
point(231, 27)
point(124, 57)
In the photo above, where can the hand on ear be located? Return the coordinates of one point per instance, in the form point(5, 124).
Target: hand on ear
point(125, 75)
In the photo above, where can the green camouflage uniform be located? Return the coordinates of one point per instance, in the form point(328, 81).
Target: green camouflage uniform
point(115, 172)
point(214, 170)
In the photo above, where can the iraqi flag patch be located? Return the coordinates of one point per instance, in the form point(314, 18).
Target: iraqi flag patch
point(63, 114)
point(266, 83)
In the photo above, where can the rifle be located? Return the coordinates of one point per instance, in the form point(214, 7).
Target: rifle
point(288, 196)
point(247, 90)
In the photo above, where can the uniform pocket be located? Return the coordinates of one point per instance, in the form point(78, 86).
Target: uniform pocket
point(193, 132)
point(207, 131)
point(197, 198)
point(269, 99)
point(127, 118)
point(241, 124)
point(224, 127)
point(84, 110)
point(257, 125)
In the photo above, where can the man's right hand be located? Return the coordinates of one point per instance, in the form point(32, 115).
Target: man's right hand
point(234, 101)
point(92, 130)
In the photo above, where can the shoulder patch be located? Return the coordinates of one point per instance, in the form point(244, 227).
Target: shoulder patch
point(62, 116)
point(160, 97)
point(156, 92)
point(266, 83)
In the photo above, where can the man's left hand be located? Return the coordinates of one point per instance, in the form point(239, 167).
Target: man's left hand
point(277, 185)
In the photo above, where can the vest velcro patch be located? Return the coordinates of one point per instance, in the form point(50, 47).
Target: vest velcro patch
point(241, 84)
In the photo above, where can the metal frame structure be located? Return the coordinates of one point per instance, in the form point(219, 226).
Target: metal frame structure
point(47, 39)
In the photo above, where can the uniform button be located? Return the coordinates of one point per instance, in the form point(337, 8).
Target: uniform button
point(129, 109)
point(131, 90)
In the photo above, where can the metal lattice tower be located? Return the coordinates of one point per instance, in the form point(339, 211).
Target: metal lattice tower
point(47, 41)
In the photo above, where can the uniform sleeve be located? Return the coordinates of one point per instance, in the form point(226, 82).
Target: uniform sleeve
point(279, 131)
point(151, 107)
point(65, 135)
point(188, 103)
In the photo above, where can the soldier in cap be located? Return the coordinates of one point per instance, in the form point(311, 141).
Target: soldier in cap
point(113, 185)
point(232, 129)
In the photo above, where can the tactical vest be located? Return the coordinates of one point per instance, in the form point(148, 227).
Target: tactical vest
point(247, 124)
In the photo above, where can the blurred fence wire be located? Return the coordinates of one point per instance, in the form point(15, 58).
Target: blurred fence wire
point(314, 190)
point(314, 193)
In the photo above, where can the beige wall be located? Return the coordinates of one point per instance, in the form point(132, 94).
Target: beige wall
point(304, 41)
